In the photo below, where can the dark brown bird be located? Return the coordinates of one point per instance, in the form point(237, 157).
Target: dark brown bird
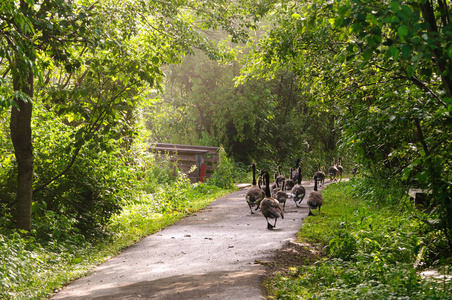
point(332, 171)
point(254, 194)
point(281, 195)
point(275, 190)
point(273, 185)
point(339, 167)
point(315, 199)
point(296, 174)
point(298, 191)
point(320, 175)
point(289, 183)
point(280, 177)
point(270, 208)
point(260, 181)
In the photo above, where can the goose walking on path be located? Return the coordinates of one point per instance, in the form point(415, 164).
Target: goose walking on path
point(280, 177)
point(281, 195)
point(320, 175)
point(270, 208)
point(295, 173)
point(315, 199)
point(289, 183)
point(339, 167)
point(332, 171)
point(298, 191)
point(254, 194)
point(260, 181)
point(274, 185)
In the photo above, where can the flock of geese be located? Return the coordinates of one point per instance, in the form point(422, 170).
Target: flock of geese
point(271, 197)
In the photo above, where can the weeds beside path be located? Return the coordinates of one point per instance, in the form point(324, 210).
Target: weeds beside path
point(356, 250)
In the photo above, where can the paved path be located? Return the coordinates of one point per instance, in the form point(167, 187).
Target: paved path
point(212, 254)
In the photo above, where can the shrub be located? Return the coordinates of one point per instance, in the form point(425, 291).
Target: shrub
point(223, 175)
point(88, 195)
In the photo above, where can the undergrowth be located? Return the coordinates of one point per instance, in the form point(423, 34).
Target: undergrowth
point(371, 252)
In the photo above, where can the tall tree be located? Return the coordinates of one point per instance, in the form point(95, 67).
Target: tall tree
point(27, 30)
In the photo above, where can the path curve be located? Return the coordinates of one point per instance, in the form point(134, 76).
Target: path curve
point(216, 253)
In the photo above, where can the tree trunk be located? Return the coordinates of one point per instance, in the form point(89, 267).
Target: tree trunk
point(428, 13)
point(20, 127)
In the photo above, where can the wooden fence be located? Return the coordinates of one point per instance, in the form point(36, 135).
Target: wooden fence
point(186, 156)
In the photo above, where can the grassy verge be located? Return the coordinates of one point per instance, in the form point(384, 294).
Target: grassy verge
point(369, 253)
point(31, 269)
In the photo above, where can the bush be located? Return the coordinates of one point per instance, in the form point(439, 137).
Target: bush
point(80, 179)
point(87, 196)
point(385, 192)
point(156, 172)
point(223, 175)
point(392, 194)
point(30, 271)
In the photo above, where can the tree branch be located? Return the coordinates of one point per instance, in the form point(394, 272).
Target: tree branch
point(421, 136)
point(68, 167)
point(65, 198)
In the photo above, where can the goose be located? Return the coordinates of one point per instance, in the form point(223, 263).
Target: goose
point(280, 177)
point(254, 194)
point(260, 181)
point(274, 185)
point(324, 176)
point(270, 207)
point(320, 175)
point(332, 171)
point(281, 195)
point(339, 167)
point(295, 173)
point(298, 191)
point(276, 189)
point(315, 199)
point(289, 183)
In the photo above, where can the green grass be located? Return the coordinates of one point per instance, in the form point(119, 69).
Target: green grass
point(337, 208)
point(370, 253)
point(33, 270)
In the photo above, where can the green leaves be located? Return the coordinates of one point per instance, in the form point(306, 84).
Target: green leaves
point(403, 31)
point(406, 51)
point(393, 52)
point(223, 175)
point(449, 52)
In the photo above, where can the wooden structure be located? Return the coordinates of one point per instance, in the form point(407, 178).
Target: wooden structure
point(186, 156)
point(422, 200)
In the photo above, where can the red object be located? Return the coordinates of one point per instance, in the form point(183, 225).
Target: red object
point(203, 172)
